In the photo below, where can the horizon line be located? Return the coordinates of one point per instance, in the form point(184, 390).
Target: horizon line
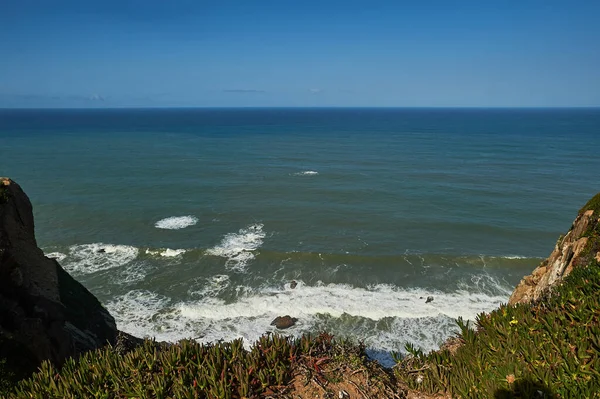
point(299, 107)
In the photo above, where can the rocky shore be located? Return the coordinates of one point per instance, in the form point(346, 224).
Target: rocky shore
point(575, 249)
point(47, 316)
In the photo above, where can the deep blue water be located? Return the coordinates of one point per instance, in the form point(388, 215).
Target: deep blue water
point(368, 209)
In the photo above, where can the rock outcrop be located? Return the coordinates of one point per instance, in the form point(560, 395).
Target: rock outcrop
point(44, 312)
point(579, 247)
point(283, 322)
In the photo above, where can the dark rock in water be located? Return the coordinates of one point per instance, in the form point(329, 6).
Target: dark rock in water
point(101, 251)
point(429, 299)
point(44, 313)
point(293, 284)
point(283, 322)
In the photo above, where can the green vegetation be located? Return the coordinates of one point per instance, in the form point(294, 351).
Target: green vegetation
point(593, 204)
point(186, 369)
point(551, 346)
point(592, 248)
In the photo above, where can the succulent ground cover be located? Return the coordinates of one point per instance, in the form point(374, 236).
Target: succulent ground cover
point(275, 366)
point(552, 347)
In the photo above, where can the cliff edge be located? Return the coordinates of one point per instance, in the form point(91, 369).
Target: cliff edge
point(577, 248)
point(44, 313)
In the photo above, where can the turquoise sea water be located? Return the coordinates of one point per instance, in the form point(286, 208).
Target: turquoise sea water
point(193, 222)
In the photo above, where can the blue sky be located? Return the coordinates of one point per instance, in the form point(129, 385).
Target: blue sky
point(299, 53)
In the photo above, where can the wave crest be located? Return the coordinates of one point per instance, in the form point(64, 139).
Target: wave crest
point(238, 247)
point(176, 222)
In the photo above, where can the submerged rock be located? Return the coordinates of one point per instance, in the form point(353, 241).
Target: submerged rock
point(45, 314)
point(429, 299)
point(283, 322)
point(293, 284)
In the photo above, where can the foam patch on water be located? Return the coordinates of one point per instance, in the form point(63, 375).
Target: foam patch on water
point(210, 287)
point(167, 253)
point(384, 316)
point(307, 173)
point(133, 273)
point(426, 333)
point(238, 247)
point(146, 314)
point(374, 303)
point(485, 285)
point(91, 258)
point(59, 256)
point(511, 257)
point(176, 222)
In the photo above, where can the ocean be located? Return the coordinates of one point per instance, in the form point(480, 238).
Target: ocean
point(193, 223)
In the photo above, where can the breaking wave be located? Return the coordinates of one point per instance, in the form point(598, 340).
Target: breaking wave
point(384, 316)
point(91, 258)
point(239, 247)
point(176, 222)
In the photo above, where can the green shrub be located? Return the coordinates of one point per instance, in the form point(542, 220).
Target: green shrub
point(183, 370)
point(552, 346)
point(593, 204)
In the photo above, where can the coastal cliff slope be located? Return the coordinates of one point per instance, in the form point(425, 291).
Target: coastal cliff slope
point(44, 313)
point(577, 248)
point(544, 343)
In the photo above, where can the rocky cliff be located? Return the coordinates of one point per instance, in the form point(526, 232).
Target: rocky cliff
point(579, 247)
point(44, 312)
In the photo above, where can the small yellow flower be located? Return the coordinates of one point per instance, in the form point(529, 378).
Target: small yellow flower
point(513, 322)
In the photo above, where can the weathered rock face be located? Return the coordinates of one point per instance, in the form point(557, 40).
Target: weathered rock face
point(44, 312)
point(579, 247)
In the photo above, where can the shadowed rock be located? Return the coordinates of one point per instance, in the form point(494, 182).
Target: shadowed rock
point(44, 313)
point(283, 322)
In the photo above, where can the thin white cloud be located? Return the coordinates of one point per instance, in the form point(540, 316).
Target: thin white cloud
point(95, 97)
point(243, 91)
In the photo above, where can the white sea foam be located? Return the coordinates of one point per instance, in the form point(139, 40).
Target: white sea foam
point(238, 247)
point(384, 316)
point(90, 258)
point(510, 257)
point(375, 303)
point(167, 253)
point(210, 287)
point(307, 173)
point(132, 273)
point(59, 256)
point(176, 222)
point(144, 313)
